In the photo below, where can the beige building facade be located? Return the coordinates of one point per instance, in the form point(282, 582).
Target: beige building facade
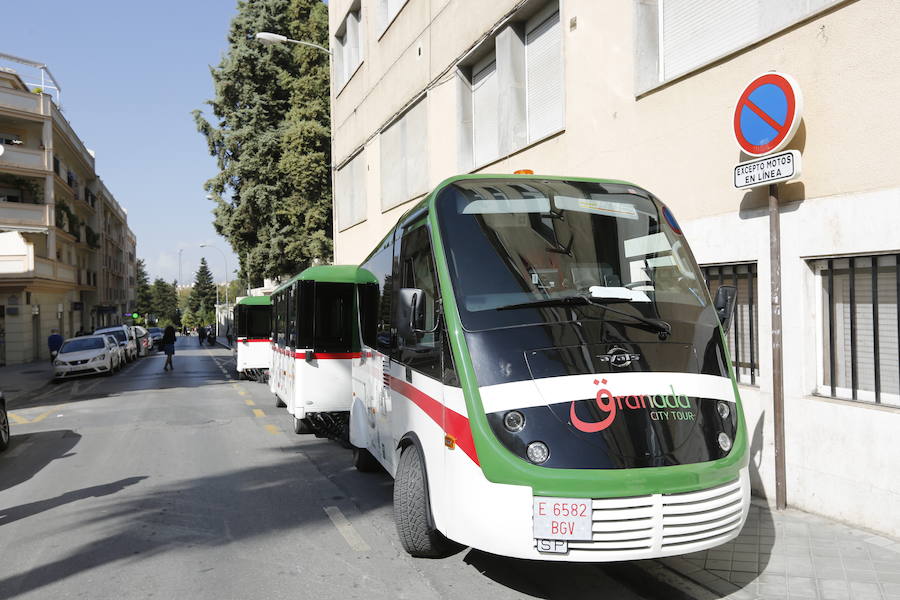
point(645, 91)
point(65, 246)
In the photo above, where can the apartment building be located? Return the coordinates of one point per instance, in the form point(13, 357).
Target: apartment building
point(65, 246)
point(645, 91)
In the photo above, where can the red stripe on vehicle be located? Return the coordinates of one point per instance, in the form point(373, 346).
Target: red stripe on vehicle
point(337, 355)
point(266, 340)
point(453, 423)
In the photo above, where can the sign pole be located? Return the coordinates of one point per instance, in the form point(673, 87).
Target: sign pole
point(777, 353)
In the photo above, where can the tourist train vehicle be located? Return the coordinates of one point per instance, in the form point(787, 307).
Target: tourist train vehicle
point(544, 374)
point(315, 337)
point(253, 337)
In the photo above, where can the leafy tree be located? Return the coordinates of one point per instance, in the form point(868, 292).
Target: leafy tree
point(271, 139)
point(144, 296)
point(164, 303)
point(189, 318)
point(203, 295)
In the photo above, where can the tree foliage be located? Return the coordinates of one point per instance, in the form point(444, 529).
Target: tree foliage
point(203, 296)
point(164, 301)
point(271, 139)
point(144, 295)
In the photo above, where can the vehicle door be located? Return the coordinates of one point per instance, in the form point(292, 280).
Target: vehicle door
point(416, 369)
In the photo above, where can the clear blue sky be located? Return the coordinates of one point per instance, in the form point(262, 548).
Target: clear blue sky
point(131, 72)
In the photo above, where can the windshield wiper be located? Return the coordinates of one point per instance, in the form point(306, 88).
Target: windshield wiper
point(658, 325)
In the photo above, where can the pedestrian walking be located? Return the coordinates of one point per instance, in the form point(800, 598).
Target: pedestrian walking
point(54, 343)
point(201, 333)
point(168, 344)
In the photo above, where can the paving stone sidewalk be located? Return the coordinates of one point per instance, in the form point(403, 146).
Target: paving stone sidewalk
point(19, 381)
point(792, 555)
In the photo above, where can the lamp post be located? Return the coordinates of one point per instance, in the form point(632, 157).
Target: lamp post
point(273, 38)
point(180, 282)
point(224, 258)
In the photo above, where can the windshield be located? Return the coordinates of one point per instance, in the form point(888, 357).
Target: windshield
point(518, 249)
point(116, 333)
point(257, 323)
point(85, 343)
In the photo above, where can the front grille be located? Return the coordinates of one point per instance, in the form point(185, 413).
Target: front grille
point(658, 524)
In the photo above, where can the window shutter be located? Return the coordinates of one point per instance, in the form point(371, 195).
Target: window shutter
point(544, 77)
point(485, 129)
point(350, 192)
point(404, 160)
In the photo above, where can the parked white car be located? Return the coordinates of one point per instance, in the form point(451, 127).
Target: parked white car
point(126, 339)
point(117, 349)
point(86, 355)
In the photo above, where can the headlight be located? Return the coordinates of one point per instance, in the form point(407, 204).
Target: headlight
point(514, 421)
point(723, 409)
point(724, 442)
point(58, 363)
point(538, 452)
point(99, 357)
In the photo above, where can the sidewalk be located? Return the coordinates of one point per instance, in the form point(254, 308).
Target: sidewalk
point(793, 554)
point(17, 381)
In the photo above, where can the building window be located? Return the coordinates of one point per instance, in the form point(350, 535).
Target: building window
point(516, 88)
point(544, 75)
point(859, 329)
point(348, 48)
point(387, 10)
point(485, 111)
point(403, 158)
point(350, 192)
point(675, 37)
point(743, 337)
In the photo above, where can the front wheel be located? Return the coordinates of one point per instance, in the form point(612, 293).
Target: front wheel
point(412, 510)
point(4, 429)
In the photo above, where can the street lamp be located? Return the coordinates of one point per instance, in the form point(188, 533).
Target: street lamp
point(225, 258)
point(270, 39)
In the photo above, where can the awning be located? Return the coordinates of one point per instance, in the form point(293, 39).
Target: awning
point(24, 228)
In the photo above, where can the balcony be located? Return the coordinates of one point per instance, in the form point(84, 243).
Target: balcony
point(17, 261)
point(35, 104)
point(33, 217)
point(23, 158)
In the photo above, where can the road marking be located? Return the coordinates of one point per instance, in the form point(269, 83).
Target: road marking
point(350, 535)
point(249, 402)
point(20, 420)
point(16, 418)
point(257, 412)
point(41, 416)
point(241, 392)
point(273, 429)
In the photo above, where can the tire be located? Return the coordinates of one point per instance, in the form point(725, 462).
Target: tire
point(302, 426)
point(279, 403)
point(4, 429)
point(412, 510)
point(364, 461)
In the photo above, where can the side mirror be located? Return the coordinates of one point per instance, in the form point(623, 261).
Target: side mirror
point(410, 312)
point(726, 299)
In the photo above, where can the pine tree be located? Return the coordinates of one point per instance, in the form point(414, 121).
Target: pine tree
point(271, 139)
point(164, 303)
point(203, 296)
point(143, 293)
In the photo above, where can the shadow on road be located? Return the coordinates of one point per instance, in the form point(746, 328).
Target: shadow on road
point(23, 511)
point(29, 454)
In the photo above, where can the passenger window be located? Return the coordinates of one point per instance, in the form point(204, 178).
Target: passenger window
point(333, 326)
point(421, 352)
point(381, 266)
point(305, 306)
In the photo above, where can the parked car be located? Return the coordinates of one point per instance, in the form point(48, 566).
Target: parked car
point(4, 424)
point(156, 334)
point(126, 339)
point(87, 355)
point(142, 336)
point(119, 350)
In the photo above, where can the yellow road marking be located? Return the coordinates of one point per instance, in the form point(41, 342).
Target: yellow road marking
point(351, 536)
point(249, 402)
point(41, 417)
point(273, 429)
point(258, 412)
point(18, 419)
point(242, 392)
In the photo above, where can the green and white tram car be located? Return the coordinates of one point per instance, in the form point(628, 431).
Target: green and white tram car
point(544, 374)
point(315, 337)
point(253, 336)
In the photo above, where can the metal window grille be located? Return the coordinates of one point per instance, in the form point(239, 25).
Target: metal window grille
point(743, 337)
point(859, 328)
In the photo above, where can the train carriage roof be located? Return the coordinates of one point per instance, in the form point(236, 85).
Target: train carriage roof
point(330, 274)
point(255, 301)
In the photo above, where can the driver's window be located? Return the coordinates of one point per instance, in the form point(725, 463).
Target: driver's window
point(421, 352)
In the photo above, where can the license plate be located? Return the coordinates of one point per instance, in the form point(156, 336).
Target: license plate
point(562, 519)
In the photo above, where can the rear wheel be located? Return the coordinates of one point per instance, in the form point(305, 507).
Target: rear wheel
point(302, 426)
point(4, 429)
point(412, 510)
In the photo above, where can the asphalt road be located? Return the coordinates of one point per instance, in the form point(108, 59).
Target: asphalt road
point(191, 484)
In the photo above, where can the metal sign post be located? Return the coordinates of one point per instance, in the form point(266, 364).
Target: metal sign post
point(766, 116)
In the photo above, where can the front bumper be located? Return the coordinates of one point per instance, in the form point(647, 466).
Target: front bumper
point(69, 371)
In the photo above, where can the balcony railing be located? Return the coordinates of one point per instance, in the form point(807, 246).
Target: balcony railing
point(28, 215)
point(25, 101)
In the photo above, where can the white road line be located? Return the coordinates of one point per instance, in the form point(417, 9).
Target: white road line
point(344, 527)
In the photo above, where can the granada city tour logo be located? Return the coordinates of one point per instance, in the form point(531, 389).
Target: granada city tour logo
point(662, 407)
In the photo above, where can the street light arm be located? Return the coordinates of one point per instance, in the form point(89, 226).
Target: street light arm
point(268, 39)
